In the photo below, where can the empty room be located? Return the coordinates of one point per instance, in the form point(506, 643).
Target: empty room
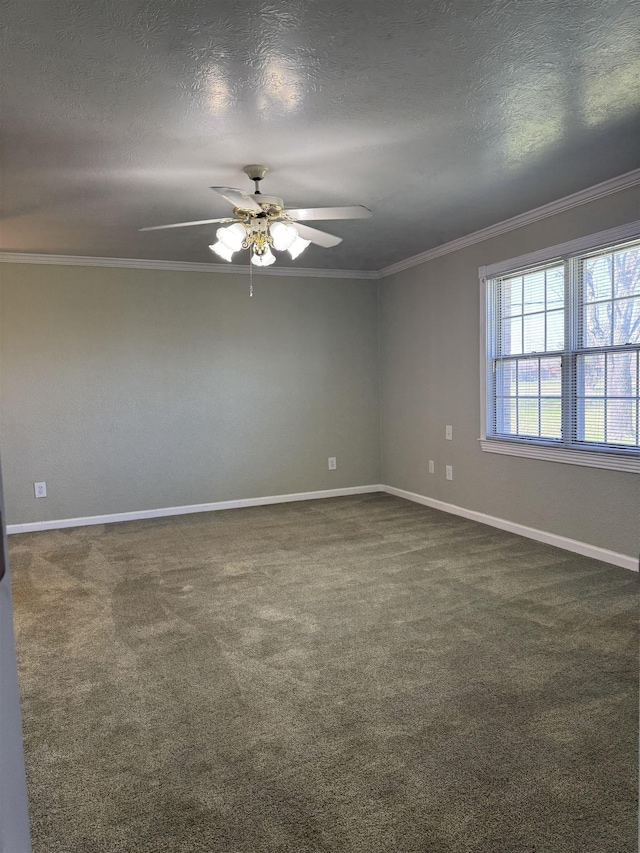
point(319, 427)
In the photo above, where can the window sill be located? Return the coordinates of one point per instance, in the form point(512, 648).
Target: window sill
point(611, 461)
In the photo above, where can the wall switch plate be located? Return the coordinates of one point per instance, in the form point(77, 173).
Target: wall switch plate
point(449, 470)
point(449, 432)
point(332, 463)
point(432, 466)
point(40, 490)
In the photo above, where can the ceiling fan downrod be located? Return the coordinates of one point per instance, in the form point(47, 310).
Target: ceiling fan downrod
point(256, 173)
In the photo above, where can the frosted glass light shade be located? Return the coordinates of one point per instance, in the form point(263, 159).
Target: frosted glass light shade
point(220, 249)
point(298, 246)
point(265, 259)
point(284, 235)
point(232, 236)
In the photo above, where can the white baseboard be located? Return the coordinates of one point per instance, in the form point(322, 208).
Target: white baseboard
point(33, 526)
point(613, 557)
point(583, 548)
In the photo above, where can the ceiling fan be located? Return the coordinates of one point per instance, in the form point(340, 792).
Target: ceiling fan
point(261, 222)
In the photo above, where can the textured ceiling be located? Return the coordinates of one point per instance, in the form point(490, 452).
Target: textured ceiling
point(441, 117)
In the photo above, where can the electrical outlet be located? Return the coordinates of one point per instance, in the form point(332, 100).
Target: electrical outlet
point(40, 490)
point(449, 470)
point(332, 463)
point(432, 466)
point(449, 432)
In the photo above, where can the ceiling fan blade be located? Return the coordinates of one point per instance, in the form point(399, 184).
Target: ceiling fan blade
point(184, 224)
point(318, 213)
point(320, 238)
point(238, 198)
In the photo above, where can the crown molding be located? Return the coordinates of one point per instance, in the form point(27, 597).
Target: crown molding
point(614, 185)
point(629, 231)
point(179, 266)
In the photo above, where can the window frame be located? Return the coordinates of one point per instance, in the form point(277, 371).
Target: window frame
point(617, 459)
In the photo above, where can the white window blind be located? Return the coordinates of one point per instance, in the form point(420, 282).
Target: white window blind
point(607, 347)
point(563, 352)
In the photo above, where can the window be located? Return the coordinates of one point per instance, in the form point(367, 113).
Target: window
point(562, 369)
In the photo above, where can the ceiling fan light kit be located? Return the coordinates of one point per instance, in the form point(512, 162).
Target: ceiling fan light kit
point(260, 223)
point(259, 235)
point(283, 235)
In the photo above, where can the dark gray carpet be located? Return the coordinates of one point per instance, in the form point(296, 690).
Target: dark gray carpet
point(355, 674)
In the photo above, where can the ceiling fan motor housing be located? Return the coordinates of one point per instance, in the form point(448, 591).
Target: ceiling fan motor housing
point(271, 205)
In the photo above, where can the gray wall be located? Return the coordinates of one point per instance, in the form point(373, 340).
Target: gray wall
point(128, 389)
point(133, 389)
point(429, 356)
